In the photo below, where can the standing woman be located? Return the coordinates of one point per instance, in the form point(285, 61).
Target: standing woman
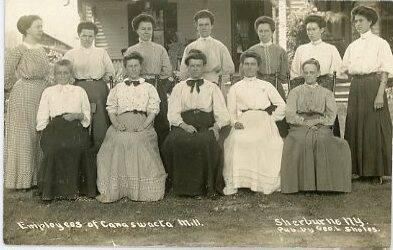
point(368, 130)
point(274, 57)
point(155, 63)
point(26, 69)
point(92, 68)
point(63, 117)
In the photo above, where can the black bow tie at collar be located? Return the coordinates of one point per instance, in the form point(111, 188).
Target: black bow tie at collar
point(135, 83)
point(193, 83)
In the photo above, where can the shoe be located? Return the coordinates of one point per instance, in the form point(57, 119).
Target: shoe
point(101, 198)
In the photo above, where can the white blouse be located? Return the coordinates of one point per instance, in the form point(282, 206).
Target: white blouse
point(90, 63)
point(219, 60)
point(123, 98)
point(327, 55)
point(252, 93)
point(368, 54)
point(208, 99)
point(61, 99)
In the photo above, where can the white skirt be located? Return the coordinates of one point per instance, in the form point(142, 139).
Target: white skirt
point(252, 156)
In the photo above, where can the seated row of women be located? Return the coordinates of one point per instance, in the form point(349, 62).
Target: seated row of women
point(200, 158)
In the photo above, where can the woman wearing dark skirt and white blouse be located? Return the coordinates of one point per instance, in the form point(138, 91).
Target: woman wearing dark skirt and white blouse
point(196, 111)
point(63, 117)
point(129, 163)
point(368, 128)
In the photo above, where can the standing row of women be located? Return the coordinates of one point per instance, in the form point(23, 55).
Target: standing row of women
point(128, 162)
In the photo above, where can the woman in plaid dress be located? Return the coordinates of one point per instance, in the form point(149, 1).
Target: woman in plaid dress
point(26, 69)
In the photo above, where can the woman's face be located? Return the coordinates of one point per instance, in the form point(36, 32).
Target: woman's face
point(145, 31)
point(35, 30)
point(362, 25)
point(133, 68)
point(310, 73)
point(87, 37)
point(314, 33)
point(195, 68)
point(204, 26)
point(250, 67)
point(62, 74)
point(265, 33)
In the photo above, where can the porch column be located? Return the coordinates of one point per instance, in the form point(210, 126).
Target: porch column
point(282, 24)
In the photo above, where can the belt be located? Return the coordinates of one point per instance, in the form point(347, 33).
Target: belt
point(87, 80)
point(245, 110)
point(136, 112)
point(310, 113)
point(362, 75)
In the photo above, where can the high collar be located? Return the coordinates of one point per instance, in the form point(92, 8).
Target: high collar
point(205, 38)
point(144, 42)
point(317, 42)
point(84, 48)
point(141, 80)
point(314, 85)
point(266, 44)
point(62, 87)
point(31, 46)
point(366, 34)
point(249, 79)
point(195, 79)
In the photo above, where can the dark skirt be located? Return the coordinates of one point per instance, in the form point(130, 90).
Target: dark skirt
point(97, 91)
point(193, 160)
point(368, 131)
point(67, 170)
point(315, 160)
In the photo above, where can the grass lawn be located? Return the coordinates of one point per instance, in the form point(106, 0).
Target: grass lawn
point(242, 219)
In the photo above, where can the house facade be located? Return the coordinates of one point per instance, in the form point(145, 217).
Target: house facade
point(233, 25)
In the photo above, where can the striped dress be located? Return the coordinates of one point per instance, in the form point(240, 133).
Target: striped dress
point(26, 71)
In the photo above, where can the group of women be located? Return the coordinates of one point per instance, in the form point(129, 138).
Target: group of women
point(74, 137)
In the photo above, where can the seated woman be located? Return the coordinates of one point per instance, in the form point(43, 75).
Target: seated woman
point(253, 148)
point(63, 117)
point(128, 162)
point(313, 159)
point(196, 112)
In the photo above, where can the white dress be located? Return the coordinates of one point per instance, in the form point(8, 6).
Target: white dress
point(252, 156)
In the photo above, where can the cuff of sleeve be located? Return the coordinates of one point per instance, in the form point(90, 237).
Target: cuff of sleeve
point(176, 123)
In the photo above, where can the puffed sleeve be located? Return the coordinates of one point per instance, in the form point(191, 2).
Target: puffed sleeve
point(109, 69)
point(385, 57)
point(11, 62)
point(112, 103)
point(174, 106)
point(166, 68)
point(296, 67)
point(221, 115)
point(43, 111)
point(183, 66)
point(232, 104)
point(228, 67)
point(291, 109)
point(68, 56)
point(330, 109)
point(275, 98)
point(153, 104)
point(85, 107)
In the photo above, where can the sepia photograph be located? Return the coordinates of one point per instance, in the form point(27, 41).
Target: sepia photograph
point(197, 123)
